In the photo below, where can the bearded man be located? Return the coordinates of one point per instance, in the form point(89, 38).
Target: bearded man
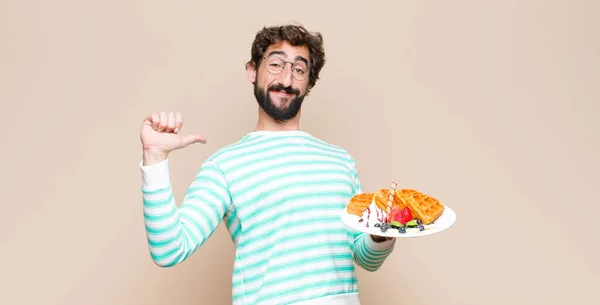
point(278, 189)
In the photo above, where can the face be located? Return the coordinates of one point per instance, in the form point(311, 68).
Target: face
point(280, 93)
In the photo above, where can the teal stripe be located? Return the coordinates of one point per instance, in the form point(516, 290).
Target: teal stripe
point(301, 275)
point(234, 149)
point(368, 259)
point(322, 208)
point(275, 159)
point(160, 257)
point(365, 264)
point(236, 233)
point(373, 254)
point(245, 144)
point(302, 235)
point(148, 203)
point(276, 221)
point(196, 222)
point(184, 251)
point(304, 248)
point(160, 230)
point(165, 242)
point(298, 165)
point(216, 198)
point(304, 273)
point(296, 263)
point(152, 192)
point(302, 288)
point(269, 151)
point(177, 229)
point(335, 207)
point(207, 180)
point(298, 196)
point(303, 173)
point(161, 217)
point(202, 204)
point(297, 222)
point(210, 170)
point(231, 217)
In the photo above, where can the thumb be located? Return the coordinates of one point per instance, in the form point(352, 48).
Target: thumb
point(191, 139)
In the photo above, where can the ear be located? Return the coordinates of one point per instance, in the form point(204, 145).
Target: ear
point(251, 70)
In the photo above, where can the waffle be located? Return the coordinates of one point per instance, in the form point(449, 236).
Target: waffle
point(382, 198)
point(359, 203)
point(406, 192)
point(421, 206)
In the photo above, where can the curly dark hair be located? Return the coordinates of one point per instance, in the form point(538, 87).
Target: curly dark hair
point(295, 35)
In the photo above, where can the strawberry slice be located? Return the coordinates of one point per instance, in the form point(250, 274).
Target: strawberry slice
point(394, 214)
point(404, 215)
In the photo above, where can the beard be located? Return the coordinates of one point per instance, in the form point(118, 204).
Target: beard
point(283, 113)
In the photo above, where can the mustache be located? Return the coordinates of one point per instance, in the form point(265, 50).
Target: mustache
point(288, 90)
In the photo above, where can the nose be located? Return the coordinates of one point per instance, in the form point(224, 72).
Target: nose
point(285, 76)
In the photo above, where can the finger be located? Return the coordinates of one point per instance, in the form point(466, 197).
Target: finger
point(170, 122)
point(178, 122)
point(191, 139)
point(148, 120)
point(200, 139)
point(155, 120)
point(162, 121)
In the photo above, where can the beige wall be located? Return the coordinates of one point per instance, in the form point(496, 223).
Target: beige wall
point(493, 108)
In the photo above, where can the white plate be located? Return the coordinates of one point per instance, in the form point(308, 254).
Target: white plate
point(445, 221)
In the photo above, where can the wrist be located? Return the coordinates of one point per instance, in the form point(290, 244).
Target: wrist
point(153, 156)
point(378, 239)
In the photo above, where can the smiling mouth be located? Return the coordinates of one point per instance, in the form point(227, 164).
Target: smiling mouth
point(283, 92)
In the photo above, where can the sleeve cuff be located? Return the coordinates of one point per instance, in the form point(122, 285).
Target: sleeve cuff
point(379, 246)
point(155, 176)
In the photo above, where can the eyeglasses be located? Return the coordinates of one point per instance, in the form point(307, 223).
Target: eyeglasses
point(275, 65)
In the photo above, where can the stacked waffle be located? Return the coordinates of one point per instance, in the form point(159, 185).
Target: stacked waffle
point(359, 203)
point(422, 206)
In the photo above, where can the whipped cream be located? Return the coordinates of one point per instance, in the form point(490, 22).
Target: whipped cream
point(372, 215)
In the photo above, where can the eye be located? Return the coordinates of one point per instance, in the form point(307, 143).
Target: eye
point(299, 68)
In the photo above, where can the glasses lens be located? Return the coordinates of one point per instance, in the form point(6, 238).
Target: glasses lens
point(275, 65)
point(300, 70)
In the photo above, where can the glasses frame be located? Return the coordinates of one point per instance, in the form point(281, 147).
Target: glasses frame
point(307, 74)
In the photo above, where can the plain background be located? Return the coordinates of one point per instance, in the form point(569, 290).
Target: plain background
point(490, 106)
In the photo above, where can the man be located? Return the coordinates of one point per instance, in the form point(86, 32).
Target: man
point(278, 189)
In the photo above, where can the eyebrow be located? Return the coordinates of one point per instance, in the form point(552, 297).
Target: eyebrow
point(301, 58)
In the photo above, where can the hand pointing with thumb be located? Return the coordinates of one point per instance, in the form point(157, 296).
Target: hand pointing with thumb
point(160, 135)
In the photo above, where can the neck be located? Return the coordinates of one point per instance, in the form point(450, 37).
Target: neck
point(267, 123)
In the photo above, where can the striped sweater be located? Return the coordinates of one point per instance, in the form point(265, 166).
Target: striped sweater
point(280, 195)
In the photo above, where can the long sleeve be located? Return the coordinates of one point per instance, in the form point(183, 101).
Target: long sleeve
point(174, 233)
point(368, 254)
point(371, 255)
